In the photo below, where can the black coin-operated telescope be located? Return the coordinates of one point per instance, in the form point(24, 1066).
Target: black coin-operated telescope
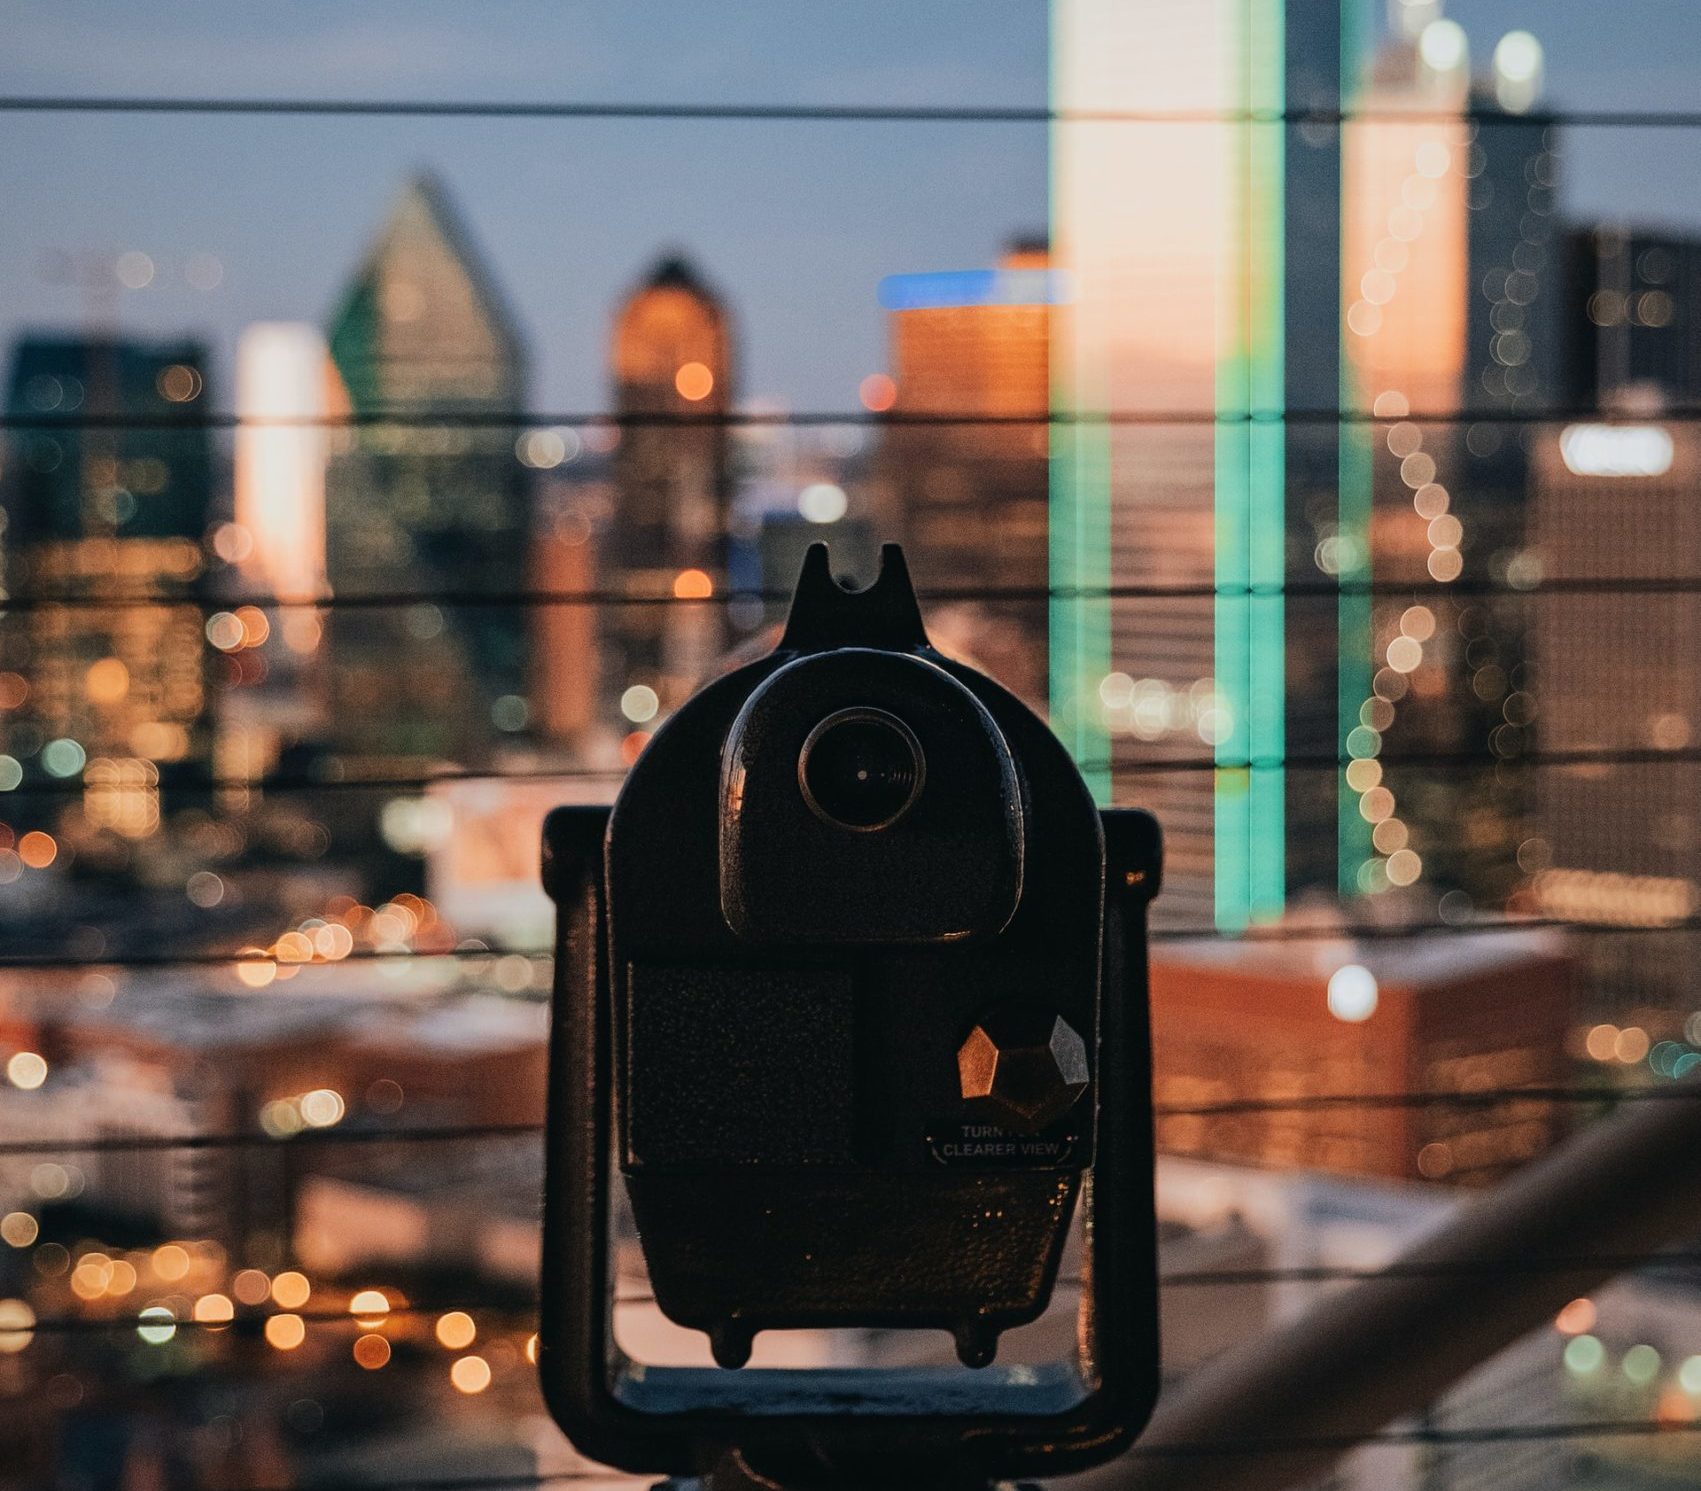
point(851, 1000)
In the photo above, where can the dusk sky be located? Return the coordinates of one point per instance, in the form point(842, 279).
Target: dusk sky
point(795, 222)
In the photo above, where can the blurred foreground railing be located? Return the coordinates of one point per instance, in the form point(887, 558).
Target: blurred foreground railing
point(1281, 1410)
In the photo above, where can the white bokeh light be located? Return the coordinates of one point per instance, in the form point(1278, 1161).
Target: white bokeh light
point(1352, 993)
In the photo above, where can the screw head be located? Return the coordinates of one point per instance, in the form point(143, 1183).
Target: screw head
point(1023, 1068)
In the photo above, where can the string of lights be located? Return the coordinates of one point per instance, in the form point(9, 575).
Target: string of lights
point(838, 113)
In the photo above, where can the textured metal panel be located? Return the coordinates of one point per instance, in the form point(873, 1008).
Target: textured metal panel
point(739, 1067)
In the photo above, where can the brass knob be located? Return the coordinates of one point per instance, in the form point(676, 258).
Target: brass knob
point(1023, 1068)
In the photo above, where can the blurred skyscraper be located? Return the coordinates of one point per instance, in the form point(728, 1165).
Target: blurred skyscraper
point(435, 502)
point(671, 360)
point(283, 383)
point(101, 514)
point(1619, 843)
point(970, 499)
point(1203, 266)
point(1633, 318)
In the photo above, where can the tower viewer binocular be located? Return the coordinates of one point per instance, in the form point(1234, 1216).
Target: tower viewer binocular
point(850, 1001)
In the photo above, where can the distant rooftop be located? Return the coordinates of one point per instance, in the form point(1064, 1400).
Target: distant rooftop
point(161, 1007)
point(1396, 961)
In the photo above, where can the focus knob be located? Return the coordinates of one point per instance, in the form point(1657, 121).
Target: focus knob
point(1022, 1068)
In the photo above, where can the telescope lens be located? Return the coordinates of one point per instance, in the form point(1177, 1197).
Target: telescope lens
point(861, 769)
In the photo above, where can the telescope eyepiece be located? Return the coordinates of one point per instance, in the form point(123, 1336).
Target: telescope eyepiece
point(861, 769)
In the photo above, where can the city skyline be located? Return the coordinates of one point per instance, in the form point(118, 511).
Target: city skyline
point(798, 253)
point(283, 707)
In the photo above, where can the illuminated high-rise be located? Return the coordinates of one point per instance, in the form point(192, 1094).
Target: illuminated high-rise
point(107, 688)
point(434, 504)
point(1449, 284)
point(1202, 261)
point(970, 499)
point(672, 365)
point(1617, 841)
point(1633, 317)
point(283, 381)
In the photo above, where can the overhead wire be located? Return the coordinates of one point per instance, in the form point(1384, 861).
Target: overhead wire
point(1348, 932)
point(1236, 1107)
point(448, 416)
point(1433, 1434)
point(212, 596)
point(509, 1305)
point(1486, 757)
point(850, 113)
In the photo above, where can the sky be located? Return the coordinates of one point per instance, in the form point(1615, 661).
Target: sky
point(795, 222)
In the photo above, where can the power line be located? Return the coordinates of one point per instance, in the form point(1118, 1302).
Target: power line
point(1345, 932)
point(1416, 1434)
point(308, 1138)
point(1211, 1278)
point(1403, 931)
point(1177, 1279)
point(452, 417)
point(835, 113)
point(63, 962)
point(1237, 1107)
point(496, 1481)
point(1484, 756)
point(1425, 1098)
point(317, 782)
point(197, 594)
point(72, 1325)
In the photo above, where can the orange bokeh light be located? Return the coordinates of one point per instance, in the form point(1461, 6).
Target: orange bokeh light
point(878, 393)
point(694, 381)
point(37, 850)
point(291, 1290)
point(369, 1307)
point(470, 1374)
point(251, 1286)
point(372, 1352)
point(1674, 1408)
point(692, 585)
point(255, 969)
point(286, 1332)
point(255, 627)
point(633, 746)
point(456, 1330)
point(214, 1309)
point(107, 681)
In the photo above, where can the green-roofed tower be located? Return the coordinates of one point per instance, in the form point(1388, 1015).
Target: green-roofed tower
point(435, 503)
